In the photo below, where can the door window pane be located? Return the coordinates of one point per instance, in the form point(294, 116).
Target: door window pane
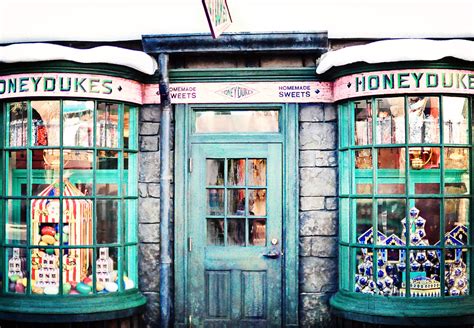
point(257, 171)
point(215, 172)
point(215, 201)
point(258, 202)
point(236, 121)
point(236, 172)
point(236, 232)
point(236, 202)
point(257, 232)
point(215, 232)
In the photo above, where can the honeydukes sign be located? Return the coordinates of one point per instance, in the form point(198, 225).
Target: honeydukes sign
point(218, 16)
point(404, 81)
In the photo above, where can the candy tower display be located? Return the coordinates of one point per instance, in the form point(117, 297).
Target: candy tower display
point(76, 230)
point(16, 272)
point(104, 266)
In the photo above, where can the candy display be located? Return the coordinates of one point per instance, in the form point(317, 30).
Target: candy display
point(390, 276)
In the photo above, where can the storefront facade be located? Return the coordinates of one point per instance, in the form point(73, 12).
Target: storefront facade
point(261, 189)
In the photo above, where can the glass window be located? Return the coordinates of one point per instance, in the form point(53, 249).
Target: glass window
point(405, 196)
point(69, 203)
point(236, 121)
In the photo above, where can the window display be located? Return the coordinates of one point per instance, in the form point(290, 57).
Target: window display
point(406, 207)
point(69, 196)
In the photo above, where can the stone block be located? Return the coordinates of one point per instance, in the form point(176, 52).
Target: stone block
point(318, 182)
point(149, 129)
point(151, 317)
point(311, 113)
point(149, 232)
point(154, 190)
point(305, 246)
point(150, 113)
point(143, 189)
point(315, 311)
point(322, 246)
point(318, 275)
point(281, 61)
point(149, 267)
point(317, 136)
point(149, 143)
point(330, 112)
point(311, 203)
point(149, 210)
point(331, 203)
point(149, 167)
point(318, 223)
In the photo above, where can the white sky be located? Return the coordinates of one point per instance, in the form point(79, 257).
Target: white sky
point(107, 20)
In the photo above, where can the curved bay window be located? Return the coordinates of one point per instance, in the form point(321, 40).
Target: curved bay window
point(405, 206)
point(68, 205)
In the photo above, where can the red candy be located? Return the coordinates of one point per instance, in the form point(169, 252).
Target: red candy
point(47, 230)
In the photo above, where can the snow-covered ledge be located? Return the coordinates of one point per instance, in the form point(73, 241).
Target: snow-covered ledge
point(388, 51)
point(34, 52)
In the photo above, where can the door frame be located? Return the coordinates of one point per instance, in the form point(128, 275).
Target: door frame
point(288, 138)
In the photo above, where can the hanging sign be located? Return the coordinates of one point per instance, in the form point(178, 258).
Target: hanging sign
point(218, 16)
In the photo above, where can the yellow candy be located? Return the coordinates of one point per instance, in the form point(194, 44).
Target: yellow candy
point(48, 239)
point(24, 282)
point(37, 290)
point(99, 286)
point(42, 243)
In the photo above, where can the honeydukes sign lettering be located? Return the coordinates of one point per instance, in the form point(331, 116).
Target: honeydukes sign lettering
point(69, 85)
point(218, 16)
point(404, 81)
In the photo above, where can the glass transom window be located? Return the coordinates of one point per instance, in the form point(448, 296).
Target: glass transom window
point(405, 196)
point(68, 198)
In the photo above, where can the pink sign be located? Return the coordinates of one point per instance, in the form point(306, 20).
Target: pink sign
point(404, 81)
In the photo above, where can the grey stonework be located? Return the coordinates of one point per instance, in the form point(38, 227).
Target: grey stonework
point(318, 216)
point(149, 212)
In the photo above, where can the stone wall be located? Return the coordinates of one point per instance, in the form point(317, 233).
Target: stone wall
point(149, 212)
point(318, 213)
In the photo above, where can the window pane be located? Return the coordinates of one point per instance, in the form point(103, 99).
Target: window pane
point(236, 172)
point(107, 221)
point(215, 201)
point(17, 274)
point(423, 222)
point(78, 172)
point(257, 171)
point(363, 214)
point(131, 214)
point(45, 123)
point(106, 270)
point(107, 174)
point(130, 274)
point(363, 122)
point(391, 170)
point(107, 134)
point(456, 164)
point(390, 120)
point(456, 272)
point(258, 202)
point(390, 213)
point(364, 173)
point(15, 229)
point(16, 178)
point(257, 232)
point(424, 276)
point(18, 126)
point(423, 116)
point(236, 121)
point(77, 271)
point(236, 232)
point(78, 123)
point(236, 202)
point(130, 135)
point(456, 221)
point(364, 282)
point(455, 127)
point(388, 275)
point(215, 172)
point(215, 232)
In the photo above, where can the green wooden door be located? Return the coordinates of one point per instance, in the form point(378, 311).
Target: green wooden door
point(235, 236)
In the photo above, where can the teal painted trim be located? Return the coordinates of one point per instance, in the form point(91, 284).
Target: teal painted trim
point(291, 211)
point(403, 311)
point(24, 307)
point(362, 67)
point(62, 66)
point(243, 74)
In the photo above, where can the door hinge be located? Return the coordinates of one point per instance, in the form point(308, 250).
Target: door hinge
point(190, 244)
point(190, 165)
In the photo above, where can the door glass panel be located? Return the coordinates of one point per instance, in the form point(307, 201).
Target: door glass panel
point(236, 201)
point(257, 232)
point(258, 202)
point(215, 172)
point(215, 201)
point(236, 172)
point(215, 232)
point(236, 121)
point(257, 169)
point(236, 232)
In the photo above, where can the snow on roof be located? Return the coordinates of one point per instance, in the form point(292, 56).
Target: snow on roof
point(388, 51)
point(33, 52)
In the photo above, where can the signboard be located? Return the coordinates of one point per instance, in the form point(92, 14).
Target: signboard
point(218, 16)
point(404, 81)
